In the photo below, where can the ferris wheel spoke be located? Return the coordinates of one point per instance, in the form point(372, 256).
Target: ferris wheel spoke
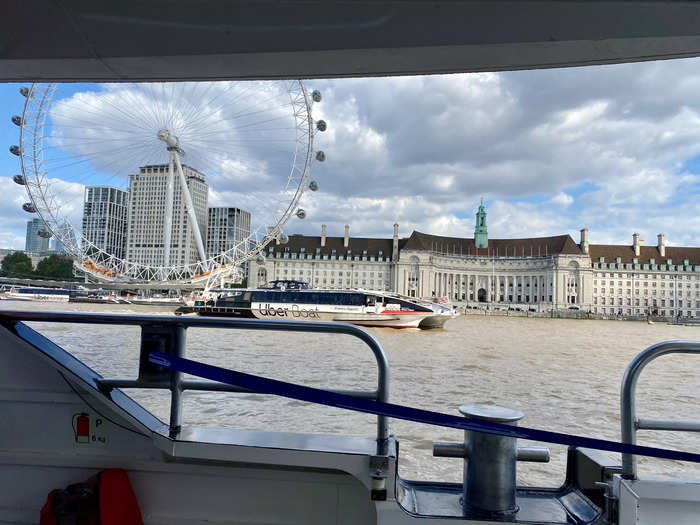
point(213, 109)
point(125, 111)
point(134, 96)
point(109, 152)
point(99, 112)
point(237, 130)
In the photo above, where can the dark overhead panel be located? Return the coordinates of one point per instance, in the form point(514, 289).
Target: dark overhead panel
point(100, 40)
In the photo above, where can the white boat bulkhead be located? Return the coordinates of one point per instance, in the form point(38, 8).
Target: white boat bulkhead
point(65, 423)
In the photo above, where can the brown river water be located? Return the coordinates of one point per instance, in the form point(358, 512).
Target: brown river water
point(563, 374)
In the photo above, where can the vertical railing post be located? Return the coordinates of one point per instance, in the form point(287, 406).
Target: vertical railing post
point(628, 416)
point(383, 397)
point(176, 384)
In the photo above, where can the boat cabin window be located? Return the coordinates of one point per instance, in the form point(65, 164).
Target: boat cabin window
point(370, 300)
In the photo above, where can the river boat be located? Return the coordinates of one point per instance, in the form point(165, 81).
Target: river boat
point(153, 301)
point(293, 300)
point(93, 297)
point(37, 294)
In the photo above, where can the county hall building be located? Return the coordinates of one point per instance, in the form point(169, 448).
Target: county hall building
point(541, 273)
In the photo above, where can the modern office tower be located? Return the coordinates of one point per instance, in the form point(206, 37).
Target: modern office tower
point(227, 227)
point(34, 243)
point(105, 218)
point(146, 216)
point(55, 246)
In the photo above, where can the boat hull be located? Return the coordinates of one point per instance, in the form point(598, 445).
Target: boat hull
point(386, 320)
point(38, 298)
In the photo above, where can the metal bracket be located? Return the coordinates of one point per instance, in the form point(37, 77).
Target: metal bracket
point(611, 502)
point(379, 471)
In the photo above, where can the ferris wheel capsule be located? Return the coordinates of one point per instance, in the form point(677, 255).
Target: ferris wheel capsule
point(316, 95)
point(14, 150)
point(28, 207)
point(17, 120)
point(260, 259)
point(320, 156)
point(313, 185)
point(24, 91)
point(321, 125)
point(283, 238)
point(18, 179)
point(44, 234)
point(301, 213)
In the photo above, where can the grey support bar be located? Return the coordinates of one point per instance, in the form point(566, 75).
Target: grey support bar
point(628, 416)
point(180, 324)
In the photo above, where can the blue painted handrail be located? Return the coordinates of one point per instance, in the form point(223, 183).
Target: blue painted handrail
point(323, 397)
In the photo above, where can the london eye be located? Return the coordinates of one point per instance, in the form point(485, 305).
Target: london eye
point(253, 141)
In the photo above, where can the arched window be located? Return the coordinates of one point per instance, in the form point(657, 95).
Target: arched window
point(262, 276)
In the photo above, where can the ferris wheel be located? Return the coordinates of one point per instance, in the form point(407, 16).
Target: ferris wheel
point(172, 150)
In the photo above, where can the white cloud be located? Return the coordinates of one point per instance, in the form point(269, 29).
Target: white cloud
point(551, 151)
point(10, 240)
point(562, 199)
point(66, 199)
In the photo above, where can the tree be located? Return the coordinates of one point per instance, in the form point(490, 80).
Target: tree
point(17, 264)
point(55, 267)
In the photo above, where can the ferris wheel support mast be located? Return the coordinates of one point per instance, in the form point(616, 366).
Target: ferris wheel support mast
point(190, 208)
point(175, 150)
point(168, 225)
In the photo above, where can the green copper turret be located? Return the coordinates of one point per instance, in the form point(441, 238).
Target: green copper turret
point(481, 236)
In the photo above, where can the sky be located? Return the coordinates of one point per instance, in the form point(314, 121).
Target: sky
point(615, 149)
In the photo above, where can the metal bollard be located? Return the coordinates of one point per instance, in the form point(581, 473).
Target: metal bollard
point(489, 462)
point(489, 471)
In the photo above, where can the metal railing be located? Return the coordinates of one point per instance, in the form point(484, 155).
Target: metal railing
point(177, 327)
point(629, 421)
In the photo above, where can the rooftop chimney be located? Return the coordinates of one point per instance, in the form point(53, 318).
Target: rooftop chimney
point(584, 240)
point(346, 241)
point(661, 244)
point(323, 235)
point(395, 246)
point(637, 243)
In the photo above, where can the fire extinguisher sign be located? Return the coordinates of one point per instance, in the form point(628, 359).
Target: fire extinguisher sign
point(88, 430)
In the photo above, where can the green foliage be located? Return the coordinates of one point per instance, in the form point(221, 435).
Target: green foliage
point(17, 264)
point(55, 267)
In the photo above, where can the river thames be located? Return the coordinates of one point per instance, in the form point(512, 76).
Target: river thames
point(564, 375)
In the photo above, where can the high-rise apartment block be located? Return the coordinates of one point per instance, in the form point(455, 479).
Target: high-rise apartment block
point(146, 216)
point(105, 218)
point(227, 228)
point(34, 243)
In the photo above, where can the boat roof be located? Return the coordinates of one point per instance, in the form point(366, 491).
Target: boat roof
point(131, 40)
point(557, 244)
point(316, 290)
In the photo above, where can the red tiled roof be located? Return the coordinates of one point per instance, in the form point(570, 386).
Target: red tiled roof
point(626, 254)
point(558, 244)
point(356, 245)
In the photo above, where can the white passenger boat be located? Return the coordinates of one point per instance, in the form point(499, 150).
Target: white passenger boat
point(154, 301)
point(34, 293)
point(293, 300)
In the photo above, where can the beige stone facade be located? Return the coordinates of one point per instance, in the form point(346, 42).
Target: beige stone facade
point(538, 274)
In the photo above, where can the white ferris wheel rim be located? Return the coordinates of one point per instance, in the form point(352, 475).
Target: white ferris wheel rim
point(107, 267)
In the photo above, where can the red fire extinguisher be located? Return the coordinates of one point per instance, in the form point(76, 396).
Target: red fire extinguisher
point(81, 427)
